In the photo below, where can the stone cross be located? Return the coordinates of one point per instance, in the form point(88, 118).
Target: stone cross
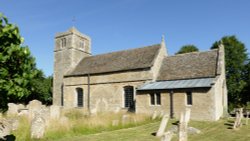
point(163, 125)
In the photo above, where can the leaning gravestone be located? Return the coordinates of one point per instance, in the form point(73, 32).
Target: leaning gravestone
point(239, 115)
point(163, 125)
point(37, 127)
point(183, 125)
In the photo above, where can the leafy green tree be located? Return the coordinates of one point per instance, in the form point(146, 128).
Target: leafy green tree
point(235, 59)
point(17, 66)
point(187, 49)
point(246, 91)
point(41, 89)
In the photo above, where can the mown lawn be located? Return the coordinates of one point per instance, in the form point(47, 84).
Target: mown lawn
point(210, 131)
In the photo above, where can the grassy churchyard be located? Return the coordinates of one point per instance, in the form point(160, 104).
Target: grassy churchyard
point(210, 131)
point(136, 128)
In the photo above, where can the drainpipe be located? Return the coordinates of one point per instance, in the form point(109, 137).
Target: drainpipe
point(171, 104)
point(89, 93)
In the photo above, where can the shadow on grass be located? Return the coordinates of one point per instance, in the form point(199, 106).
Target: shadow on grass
point(153, 134)
point(9, 138)
point(229, 124)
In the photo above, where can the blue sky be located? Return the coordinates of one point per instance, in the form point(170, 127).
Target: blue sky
point(123, 24)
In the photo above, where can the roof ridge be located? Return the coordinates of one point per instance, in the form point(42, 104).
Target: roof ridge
point(196, 52)
point(154, 45)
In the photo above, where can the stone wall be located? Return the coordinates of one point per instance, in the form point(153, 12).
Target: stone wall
point(106, 90)
point(202, 109)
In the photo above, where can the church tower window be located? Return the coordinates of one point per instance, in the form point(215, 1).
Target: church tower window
point(63, 42)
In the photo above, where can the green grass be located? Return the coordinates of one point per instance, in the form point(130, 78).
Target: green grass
point(99, 128)
point(210, 131)
point(79, 124)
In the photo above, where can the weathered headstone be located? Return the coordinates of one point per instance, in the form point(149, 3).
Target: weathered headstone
point(125, 119)
point(55, 112)
point(167, 136)
point(163, 125)
point(182, 128)
point(13, 123)
point(37, 127)
point(5, 128)
point(183, 124)
point(239, 115)
point(34, 106)
point(12, 109)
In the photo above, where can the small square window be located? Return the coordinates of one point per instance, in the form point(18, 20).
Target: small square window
point(155, 98)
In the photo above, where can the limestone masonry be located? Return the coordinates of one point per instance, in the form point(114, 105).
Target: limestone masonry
point(142, 80)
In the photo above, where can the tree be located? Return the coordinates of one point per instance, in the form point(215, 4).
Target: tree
point(246, 91)
point(235, 59)
point(187, 49)
point(17, 66)
point(41, 89)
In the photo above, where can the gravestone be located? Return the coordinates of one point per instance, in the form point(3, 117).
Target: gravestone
point(183, 124)
point(34, 106)
point(5, 128)
point(239, 115)
point(167, 136)
point(12, 109)
point(125, 119)
point(163, 125)
point(182, 128)
point(55, 112)
point(37, 127)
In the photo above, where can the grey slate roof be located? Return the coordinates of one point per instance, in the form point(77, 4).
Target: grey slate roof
point(178, 84)
point(189, 65)
point(132, 59)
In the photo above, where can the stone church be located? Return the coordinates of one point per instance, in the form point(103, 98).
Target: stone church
point(142, 80)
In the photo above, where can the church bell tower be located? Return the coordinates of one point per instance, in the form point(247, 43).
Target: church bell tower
point(70, 47)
